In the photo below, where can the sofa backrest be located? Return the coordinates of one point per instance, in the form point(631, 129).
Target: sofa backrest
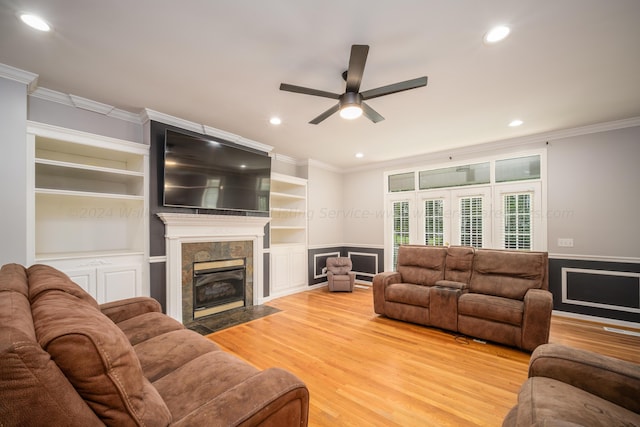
point(508, 274)
point(421, 265)
point(33, 390)
point(459, 263)
point(92, 352)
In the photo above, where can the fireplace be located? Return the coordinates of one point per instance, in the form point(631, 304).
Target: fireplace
point(218, 286)
point(193, 238)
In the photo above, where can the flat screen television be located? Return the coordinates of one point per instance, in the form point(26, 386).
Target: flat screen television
point(207, 173)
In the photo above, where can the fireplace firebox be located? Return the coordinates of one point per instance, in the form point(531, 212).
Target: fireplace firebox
point(218, 286)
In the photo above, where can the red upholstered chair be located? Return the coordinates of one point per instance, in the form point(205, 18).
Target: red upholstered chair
point(339, 274)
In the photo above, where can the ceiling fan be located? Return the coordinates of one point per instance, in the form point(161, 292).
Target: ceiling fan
point(351, 103)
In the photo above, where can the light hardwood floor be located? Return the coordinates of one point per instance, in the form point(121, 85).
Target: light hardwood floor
point(366, 370)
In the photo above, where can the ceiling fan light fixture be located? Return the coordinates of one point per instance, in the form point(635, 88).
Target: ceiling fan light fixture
point(350, 112)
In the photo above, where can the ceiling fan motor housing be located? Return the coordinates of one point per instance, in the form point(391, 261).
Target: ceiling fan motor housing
point(350, 98)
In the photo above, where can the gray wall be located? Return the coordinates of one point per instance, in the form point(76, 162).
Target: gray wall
point(13, 173)
point(325, 206)
point(594, 193)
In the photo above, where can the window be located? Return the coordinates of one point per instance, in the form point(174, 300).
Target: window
point(400, 227)
point(402, 182)
point(455, 176)
point(434, 222)
point(517, 233)
point(471, 221)
point(518, 169)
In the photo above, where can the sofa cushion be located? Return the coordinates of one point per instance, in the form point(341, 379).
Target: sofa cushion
point(407, 293)
point(43, 278)
point(422, 265)
point(504, 310)
point(508, 274)
point(13, 277)
point(201, 380)
point(165, 353)
point(146, 326)
point(98, 360)
point(544, 401)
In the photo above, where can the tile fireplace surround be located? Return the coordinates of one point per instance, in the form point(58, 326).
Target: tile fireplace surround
point(194, 237)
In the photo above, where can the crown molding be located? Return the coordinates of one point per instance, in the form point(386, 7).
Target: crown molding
point(521, 142)
point(157, 116)
point(321, 165)
point(285, 159)
point(85, 104)
point(20, 76)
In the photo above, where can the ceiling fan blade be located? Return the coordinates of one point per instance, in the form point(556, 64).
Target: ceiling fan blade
point(324, 115)
point(394, 88)
point(308, 91)
point(355, 71)
point(371, 114)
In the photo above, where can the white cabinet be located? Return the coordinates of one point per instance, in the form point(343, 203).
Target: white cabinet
point(288, 269)
point(106, 279)
point(88, 207)
point(288, 235)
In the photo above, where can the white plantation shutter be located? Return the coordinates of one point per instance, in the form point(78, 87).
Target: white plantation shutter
point(471, 221)
point(401, 229)
point(434, 222)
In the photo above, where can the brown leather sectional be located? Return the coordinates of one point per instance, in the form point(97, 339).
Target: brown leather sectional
point(495, 295)
point(67, 361)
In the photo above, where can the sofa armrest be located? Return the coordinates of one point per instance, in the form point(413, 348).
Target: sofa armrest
point(124, 309)
point(273, 397)
point(380, 282)
point(615, 380)
point(536, 318)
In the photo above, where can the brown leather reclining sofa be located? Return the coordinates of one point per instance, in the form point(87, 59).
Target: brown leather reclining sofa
point(495, 295)
point(66, 361)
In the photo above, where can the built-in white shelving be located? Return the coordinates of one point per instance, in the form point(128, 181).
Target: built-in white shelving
point(89, 209)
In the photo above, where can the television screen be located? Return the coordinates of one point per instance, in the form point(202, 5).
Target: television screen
point(211, 174)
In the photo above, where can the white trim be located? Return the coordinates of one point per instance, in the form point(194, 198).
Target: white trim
point(90, 105)
point(85, 104)
point(567, 300)
point(285, 159)
point(374, 255)
point(157, 259)
point(321, 165)
point(534, 141)
point(80, 137)
point(601, 258)
point(20, 76)
point(315, 257)
point(148, 114)
point(603, 320)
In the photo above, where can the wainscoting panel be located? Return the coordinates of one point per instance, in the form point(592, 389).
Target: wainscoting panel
point(596, 288)
point(366, 262)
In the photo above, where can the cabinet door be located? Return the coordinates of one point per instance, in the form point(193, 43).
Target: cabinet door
point(280, 266)
point(119, 282)
point(299, 267)
point(85, 278)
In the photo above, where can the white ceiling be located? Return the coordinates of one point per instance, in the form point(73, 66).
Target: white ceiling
point(567, 63)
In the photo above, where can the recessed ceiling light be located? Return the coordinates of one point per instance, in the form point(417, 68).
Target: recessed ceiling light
point(35, 21)
point(515, 123)
point(496, 34)
point(275, 120)
point(359, 155)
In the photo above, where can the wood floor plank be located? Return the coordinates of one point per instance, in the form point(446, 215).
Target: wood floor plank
point(365, 370)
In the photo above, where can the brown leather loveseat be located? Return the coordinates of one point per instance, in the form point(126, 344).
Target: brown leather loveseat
point(495, 295)
point(66, 361)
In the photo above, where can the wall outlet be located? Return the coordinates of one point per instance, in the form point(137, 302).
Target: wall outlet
point(565, 242)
